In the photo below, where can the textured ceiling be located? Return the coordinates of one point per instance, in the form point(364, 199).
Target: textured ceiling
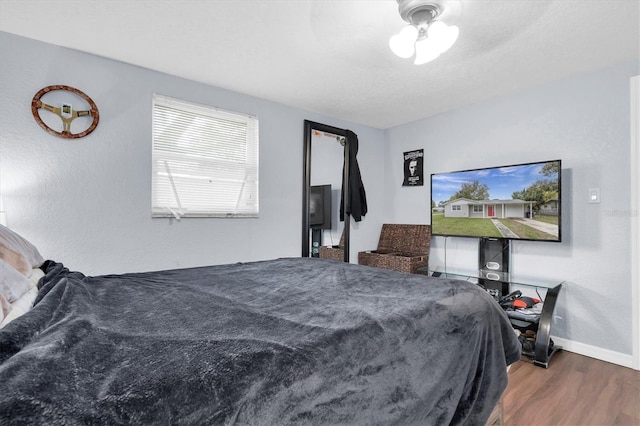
point(332, 56)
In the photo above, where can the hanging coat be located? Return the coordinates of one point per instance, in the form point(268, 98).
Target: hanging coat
point(357, 202)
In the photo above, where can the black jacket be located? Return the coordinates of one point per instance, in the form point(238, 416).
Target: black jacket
point(357, 202)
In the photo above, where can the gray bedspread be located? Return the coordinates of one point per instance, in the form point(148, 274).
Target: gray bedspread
point(286, 341)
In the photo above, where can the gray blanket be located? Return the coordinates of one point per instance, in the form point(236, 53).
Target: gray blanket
point(287, 341)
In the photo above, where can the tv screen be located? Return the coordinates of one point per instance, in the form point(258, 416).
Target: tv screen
point(320, 207)
point(516, 202)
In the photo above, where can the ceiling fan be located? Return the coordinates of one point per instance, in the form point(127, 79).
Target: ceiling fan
point(425, 36)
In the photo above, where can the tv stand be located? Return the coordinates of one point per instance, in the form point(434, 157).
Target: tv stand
point(543, 352)
point(494, 257)
point(316, 241)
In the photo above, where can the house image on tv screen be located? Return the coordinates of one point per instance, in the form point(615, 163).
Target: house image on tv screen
point(499, 209)
point(550, 207)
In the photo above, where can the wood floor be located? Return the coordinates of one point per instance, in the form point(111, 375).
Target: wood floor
point(574, 390)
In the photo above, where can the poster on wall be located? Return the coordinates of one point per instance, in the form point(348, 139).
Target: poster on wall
point(413, 168)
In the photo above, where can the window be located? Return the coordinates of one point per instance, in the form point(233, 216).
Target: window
point(478, 209)
point(456, 207)
point(205, 161)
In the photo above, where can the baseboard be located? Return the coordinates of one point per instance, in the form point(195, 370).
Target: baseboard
point(594, 352)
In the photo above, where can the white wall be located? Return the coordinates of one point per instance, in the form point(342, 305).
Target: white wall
point(584, 121)
point(86, 202)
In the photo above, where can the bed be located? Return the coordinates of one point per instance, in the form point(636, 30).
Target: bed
point(283, 341)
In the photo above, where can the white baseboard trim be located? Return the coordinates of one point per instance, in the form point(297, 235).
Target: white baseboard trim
point(594, 352)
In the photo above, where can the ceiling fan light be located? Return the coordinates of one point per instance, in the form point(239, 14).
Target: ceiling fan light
point(442, 35)
point(426, 51)
point(402, 44)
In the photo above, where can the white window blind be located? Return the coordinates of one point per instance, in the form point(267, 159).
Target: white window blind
point(205, 161)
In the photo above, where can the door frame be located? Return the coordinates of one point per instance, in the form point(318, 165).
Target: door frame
point(635, 220)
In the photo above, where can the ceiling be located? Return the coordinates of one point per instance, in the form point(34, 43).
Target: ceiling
point(332, 56)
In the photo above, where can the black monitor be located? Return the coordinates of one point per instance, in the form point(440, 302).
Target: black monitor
point(320, 207)
point(515, 202)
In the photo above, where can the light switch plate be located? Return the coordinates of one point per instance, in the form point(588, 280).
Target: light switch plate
point(594, 195)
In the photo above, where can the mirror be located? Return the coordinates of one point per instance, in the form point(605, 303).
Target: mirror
point(330, 153)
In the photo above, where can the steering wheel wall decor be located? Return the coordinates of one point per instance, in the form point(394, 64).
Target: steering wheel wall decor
point(65, 112)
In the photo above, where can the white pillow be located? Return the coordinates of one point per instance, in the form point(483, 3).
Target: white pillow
point(5, 308)
point(13, 285)
point(36, 275)
point(18, 252)
point(18, 257)
point(22, 305)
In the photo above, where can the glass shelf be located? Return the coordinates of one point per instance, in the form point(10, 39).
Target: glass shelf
point(507, 278)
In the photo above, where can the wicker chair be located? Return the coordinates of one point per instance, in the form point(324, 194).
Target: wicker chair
point(403, 248)
point(333, 252)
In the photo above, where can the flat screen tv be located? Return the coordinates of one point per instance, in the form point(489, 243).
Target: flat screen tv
point(320, 207)
point(515, 202)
